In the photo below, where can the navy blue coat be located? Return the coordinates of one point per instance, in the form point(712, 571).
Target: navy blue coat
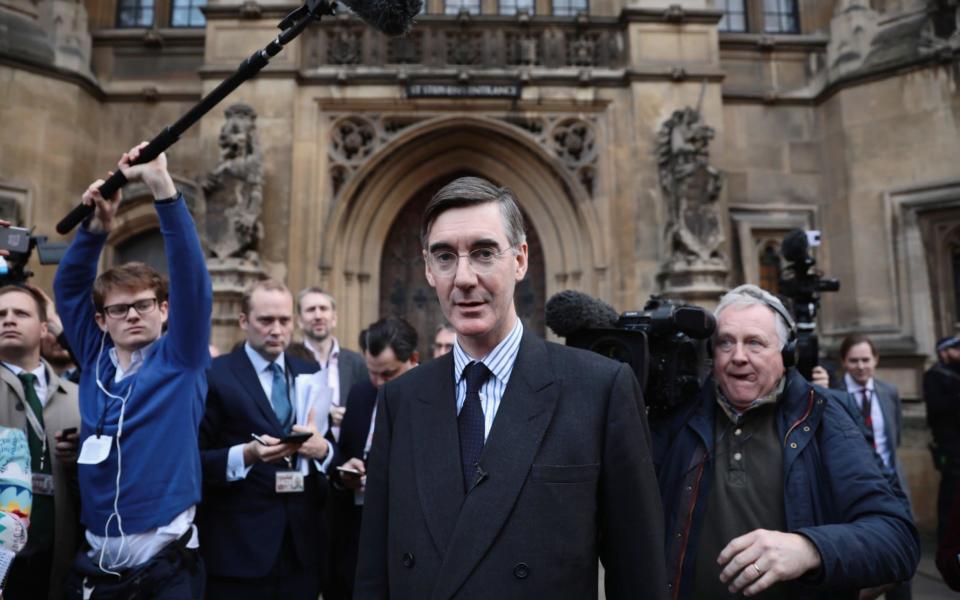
point(242, 523)
point(834, 493)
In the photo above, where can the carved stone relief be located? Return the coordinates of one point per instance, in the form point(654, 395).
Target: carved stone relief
point(691, 188)
point(345, 46)
point(234, 189)
point(465, 43)
point(355, 138)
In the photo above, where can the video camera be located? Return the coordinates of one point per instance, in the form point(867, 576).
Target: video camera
point(664, 344)
point(802, 284)
point(20, 243)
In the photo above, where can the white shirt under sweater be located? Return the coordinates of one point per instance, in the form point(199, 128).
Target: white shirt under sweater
point(125, 552)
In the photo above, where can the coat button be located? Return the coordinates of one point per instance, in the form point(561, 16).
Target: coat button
point(793, 445)
point(408, 560)
point(521, 570)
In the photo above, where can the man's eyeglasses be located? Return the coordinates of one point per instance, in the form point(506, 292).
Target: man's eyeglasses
point(119, 311)
point(482, 260)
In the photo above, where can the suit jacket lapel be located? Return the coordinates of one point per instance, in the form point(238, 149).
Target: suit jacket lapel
point(887, 409)
point(525, 412)
point(14, 382)
point(248, 380)
point(437, 453)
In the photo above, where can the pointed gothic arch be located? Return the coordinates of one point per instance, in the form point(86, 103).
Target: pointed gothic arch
point(567, 222)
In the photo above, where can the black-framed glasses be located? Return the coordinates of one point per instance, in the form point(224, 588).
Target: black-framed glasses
point(143, 307)
point(482, 260)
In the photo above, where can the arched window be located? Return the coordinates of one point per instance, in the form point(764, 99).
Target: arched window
point(769, 263)
point(146, 247)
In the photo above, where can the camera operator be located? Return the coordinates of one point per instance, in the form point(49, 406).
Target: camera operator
point(765, 482)
point(941, 392)
point(141, 398)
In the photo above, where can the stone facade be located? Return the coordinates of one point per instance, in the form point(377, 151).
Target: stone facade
point(849, 126)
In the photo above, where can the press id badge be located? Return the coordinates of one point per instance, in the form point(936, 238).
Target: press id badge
point(289, 482)
point(95, 450)
point(42, 484)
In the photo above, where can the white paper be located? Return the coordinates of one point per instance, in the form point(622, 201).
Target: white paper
point(95, 450)
point(312, 392)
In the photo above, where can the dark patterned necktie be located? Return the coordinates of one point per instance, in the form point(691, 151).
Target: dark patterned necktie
point(470, 422)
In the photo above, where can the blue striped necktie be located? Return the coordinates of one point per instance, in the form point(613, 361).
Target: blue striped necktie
point(280, 398)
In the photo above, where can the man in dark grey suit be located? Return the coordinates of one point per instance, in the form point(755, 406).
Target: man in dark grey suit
point(877, 403)
point(317, 318)
point(505, 468)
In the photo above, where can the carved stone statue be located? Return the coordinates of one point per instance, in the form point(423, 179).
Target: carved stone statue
point(234, 190)
point(691, 187)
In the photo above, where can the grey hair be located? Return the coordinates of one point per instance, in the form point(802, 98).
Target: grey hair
point(751, 295)
point(472, 191)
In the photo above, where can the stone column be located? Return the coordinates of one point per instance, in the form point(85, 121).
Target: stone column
point(230, 277)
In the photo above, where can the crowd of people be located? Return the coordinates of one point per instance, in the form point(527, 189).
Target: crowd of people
point(133, 464)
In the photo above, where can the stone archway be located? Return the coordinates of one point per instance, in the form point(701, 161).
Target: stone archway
point(564, 217)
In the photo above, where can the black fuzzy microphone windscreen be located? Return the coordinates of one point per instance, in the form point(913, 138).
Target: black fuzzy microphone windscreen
point(393, 17)
point(570, 311)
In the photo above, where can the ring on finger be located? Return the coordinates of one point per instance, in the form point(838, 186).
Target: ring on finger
point(757, 569)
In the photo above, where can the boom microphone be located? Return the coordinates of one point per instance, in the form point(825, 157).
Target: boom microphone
point(393, 17)
point(570, 311)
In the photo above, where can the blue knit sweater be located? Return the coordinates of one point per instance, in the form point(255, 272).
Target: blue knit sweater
point(160, 465)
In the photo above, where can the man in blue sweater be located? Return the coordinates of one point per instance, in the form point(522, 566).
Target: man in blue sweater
point(141, 398)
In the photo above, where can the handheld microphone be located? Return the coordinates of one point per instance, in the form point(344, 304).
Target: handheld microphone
point(570, 311)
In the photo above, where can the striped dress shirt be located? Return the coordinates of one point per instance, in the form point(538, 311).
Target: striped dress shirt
point(500, 361)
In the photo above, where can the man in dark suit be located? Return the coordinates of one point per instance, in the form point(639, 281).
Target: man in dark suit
point(505, 468)
point(342, 368)
point(261, 518)
point(875, 406)
point(941, 394)
point(390, 350)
